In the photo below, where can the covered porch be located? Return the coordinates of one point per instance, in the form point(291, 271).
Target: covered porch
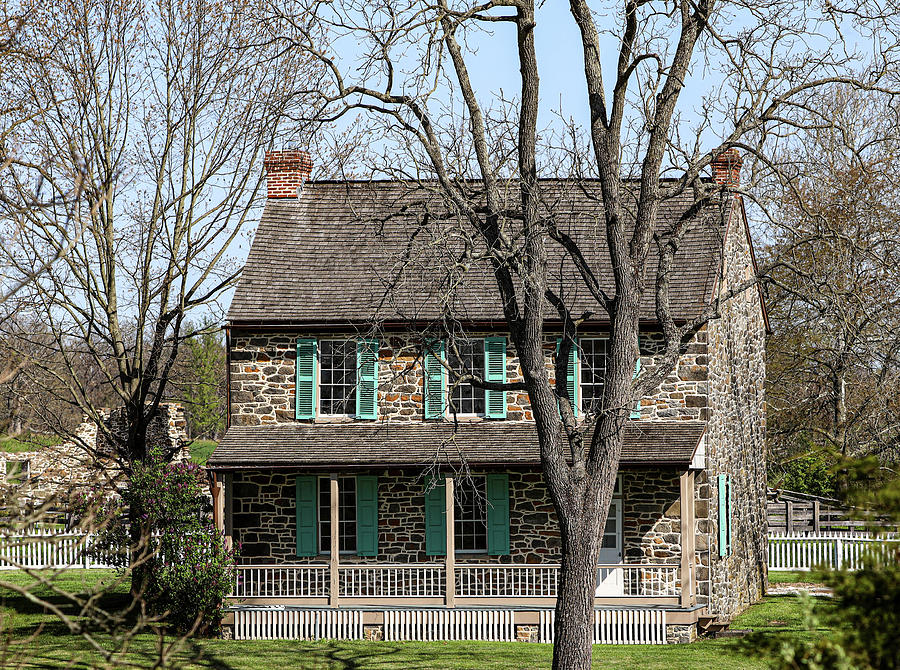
point(648, 563)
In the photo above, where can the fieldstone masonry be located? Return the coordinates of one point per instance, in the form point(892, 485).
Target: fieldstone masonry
point(57, 472)
point(262, 375)
point(736, 437)
point(265, 525)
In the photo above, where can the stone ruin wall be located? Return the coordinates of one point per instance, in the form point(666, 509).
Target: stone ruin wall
point(53, 474)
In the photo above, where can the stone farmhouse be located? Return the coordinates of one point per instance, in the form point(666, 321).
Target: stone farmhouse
point(374, 497)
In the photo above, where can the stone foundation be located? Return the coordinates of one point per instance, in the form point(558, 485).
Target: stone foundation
point(681, 633)
point(527, 633)
point(373, 632)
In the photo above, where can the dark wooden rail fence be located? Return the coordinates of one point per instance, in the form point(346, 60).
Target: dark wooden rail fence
point(792, 512)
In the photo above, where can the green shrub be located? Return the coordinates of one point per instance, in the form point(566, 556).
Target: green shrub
point(188, 571)
point(813, 473)
point(190, 579)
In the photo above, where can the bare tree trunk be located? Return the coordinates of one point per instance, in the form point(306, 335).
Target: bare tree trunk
point(575, 601)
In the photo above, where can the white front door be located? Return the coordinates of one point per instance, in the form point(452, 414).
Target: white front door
point(610, 580)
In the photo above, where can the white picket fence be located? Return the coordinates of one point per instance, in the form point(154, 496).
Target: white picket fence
point(836, 550)
point(787, 551)
point(51, 550)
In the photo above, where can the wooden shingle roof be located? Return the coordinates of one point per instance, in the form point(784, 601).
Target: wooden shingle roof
point(386, 251)
point(422, 443)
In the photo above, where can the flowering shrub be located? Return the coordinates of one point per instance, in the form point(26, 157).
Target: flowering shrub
point(190, 571)
point(190, 577)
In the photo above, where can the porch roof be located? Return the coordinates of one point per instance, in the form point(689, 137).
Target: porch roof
point(361, 444)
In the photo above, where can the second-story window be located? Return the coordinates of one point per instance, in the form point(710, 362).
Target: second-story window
point(466, 398)
point(592, 354)
point(337, 377)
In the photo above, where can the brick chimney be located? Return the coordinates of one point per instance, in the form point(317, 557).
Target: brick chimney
point(286, 171)
point(726, 168)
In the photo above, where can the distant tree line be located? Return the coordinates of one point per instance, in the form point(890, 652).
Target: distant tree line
point(833, 295)
point(33, 391)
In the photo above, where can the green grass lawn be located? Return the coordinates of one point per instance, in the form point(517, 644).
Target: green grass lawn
point(54, 647)
point(795, 577)
point(27, 442)
point(201, 449)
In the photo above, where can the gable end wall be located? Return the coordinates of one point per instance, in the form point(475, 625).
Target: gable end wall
point(735, 438)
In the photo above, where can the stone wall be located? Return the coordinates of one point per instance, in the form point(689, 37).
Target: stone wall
point(651, 516)
point(263, 518)
point(736, 437)
point(53, 474)
point(262, 373)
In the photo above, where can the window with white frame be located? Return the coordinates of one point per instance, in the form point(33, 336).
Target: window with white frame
point(347, 515)
point(337, 377)
point(592, 354)
point(466, 398)
point(470, 514)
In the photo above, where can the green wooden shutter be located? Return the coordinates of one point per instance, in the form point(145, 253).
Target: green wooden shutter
point(497, 489)
point(571, 374)
point(636, 412)
point(305, 395)
point(367, 515)
point(495, 371)
point(724, 515)
point(435, 389)
point(367, 379)
point(435, 518)
point(730, 519)
point(307, 516)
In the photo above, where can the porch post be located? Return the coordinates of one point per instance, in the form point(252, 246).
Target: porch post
point(450, 567)
point(335, 542)
point(688, 540)
point(218, 496)
point(228, 508)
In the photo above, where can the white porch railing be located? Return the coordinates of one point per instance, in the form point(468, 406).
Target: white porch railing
point(391, 581)
point(428, 581)
point(805, 551)
point(540, 581)
point(507, 581)
point(281, 581)
point(649, 581)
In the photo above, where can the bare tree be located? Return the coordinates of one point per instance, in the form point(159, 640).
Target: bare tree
point(411, 77)
point(165, 112)
point(835, 353)
point(158, 113)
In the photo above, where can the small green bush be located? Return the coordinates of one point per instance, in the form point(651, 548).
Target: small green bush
point(813, 473)
point(190, 579)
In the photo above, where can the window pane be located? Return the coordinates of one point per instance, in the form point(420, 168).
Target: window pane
point(466, 398)
point(471, 514)
point(337, 377)
point(592, 353)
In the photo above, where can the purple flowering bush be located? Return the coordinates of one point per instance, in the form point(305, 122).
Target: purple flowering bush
point(189, 578)
point(188, 571)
